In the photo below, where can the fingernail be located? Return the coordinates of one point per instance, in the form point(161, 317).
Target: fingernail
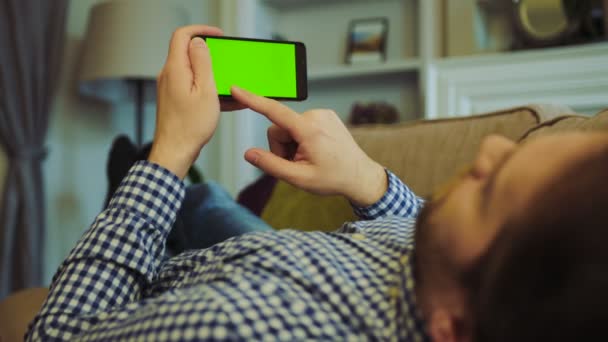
point(255, 157)
point(198, 41)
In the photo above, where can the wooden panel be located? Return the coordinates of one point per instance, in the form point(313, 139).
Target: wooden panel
point(459, 30)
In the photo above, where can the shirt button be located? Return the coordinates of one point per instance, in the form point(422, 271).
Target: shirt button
point(393, 292)
point(404, 260)
point(358, 236)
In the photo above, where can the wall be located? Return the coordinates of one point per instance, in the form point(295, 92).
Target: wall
point(80, 135)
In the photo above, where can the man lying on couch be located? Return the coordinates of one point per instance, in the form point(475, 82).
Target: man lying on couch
point(514, 250)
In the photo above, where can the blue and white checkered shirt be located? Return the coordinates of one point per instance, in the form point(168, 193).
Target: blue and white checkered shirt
point(354, 284)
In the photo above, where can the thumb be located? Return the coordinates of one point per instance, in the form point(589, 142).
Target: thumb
point(200, 61)
point(293, 173)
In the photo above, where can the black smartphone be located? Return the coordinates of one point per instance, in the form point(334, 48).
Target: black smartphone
point(269, 68)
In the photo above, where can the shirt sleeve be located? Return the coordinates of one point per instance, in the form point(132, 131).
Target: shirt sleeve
point(116, 258)
point(398, 200)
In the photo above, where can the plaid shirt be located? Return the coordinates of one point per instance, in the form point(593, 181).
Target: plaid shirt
point(354, 284)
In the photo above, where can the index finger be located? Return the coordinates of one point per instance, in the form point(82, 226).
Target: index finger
point(275, 111)
point(180, 41)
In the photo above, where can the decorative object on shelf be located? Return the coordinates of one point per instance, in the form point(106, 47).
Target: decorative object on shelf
point(460, 28)
point(278, 36)
point(592, 16)
point(492, 25)
point(367, 41)
point(373, 113)
point(124, 50)
point(542, 23)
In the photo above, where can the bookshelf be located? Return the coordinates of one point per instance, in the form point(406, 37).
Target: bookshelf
point(415, 78)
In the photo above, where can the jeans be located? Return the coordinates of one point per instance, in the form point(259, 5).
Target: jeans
point(209, 216)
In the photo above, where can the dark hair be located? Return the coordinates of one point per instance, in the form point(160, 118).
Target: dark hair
point(545, 278)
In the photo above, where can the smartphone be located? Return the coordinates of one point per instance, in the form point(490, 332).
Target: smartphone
point(269, 68)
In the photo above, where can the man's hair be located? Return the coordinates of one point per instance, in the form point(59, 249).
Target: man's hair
point(545, 277)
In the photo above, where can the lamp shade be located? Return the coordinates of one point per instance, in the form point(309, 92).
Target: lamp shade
point(126, 39)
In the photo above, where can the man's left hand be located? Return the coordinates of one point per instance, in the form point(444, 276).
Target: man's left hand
point(188, 106)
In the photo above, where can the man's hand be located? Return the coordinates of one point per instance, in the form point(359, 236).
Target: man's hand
point(315, 152)
point(188, 106)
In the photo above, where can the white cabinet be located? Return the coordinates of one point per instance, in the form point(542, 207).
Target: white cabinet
point(573, 76)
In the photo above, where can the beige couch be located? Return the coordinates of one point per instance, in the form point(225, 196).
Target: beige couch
point(422, 153)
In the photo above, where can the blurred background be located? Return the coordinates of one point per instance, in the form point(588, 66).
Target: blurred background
point(98, 61)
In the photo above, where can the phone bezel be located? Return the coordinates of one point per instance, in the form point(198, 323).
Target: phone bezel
point(301, 66)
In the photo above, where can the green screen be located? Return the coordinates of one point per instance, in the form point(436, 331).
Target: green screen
point(264, 68)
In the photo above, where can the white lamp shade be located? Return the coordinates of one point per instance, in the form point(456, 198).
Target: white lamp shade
point(126, 39)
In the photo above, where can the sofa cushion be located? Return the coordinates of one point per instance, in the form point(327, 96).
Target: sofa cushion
point(290, 207)
point(424, 153)
point(569, 123)
point(427, 153)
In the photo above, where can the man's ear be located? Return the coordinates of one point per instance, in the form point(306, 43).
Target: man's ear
point(443, 326)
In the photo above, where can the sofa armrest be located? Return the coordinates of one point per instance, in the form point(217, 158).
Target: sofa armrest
point(18, 310)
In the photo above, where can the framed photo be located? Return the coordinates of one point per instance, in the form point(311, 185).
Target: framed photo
point(367, 41)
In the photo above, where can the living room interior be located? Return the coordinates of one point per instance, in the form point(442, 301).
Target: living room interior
point(536, 60)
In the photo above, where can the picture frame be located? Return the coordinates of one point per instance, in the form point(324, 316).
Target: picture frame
point(367, 41)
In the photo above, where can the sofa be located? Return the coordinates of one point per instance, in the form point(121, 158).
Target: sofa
point(423, 153)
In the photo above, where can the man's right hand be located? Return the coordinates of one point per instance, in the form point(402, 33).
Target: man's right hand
point(314, 151)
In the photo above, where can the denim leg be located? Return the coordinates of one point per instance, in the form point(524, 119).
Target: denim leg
point(209, 216)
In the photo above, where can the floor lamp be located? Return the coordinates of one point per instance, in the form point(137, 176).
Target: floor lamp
point(124, 49)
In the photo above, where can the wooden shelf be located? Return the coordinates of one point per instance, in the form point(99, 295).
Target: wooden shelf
point(286, 4)
point(525, 56)
point(351, 71)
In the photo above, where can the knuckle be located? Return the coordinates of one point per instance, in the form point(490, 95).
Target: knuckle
point(488, 142)
point(323, 115)
point(492, 136)
point(169, 69)
point(314, 113)
point(272, 129)
point(180, 31)
point(331, 112)
point(491, 139)
point(317, 115)
point(307, 178)
point(175, 34)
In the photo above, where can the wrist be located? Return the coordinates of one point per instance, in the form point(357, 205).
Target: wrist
point(171, 160)
point(370, 186)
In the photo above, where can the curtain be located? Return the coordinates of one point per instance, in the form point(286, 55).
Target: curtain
point(31, 46)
